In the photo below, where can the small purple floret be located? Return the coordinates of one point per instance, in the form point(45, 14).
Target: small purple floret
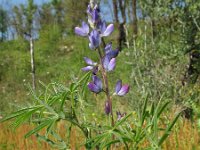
point(89, 61)
point(92, 65)
point(110, 52)
point(120, 89)
point(105, 30)
point(95, 39)
point(107, 108)
point(82, 31)
point(120, 115)
point(109, 64)
point(96, 85)
point(118, 86)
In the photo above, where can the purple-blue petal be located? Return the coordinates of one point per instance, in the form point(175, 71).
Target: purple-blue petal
point(97, 81)
point(89, 10)
point(85, 27)
point(118, 86)
point(108, 30)
point(89, 61)
point(108, 47)
point(94, 88)
point(95, 16)
point(102, 26)
point(119, 115)
point(81, 32)
point(95, 70)
point(106, 62)
point(107, 108)
point(124, 90)
point(111, 65)
point(113, 53)
point(95, 39)
point(91, 46)
point(88, 68)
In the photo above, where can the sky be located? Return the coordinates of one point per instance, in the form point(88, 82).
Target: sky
point(16, 2)
point(9, 3)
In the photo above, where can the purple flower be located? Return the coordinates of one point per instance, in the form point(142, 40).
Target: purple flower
point(96, 85)
point(110, 52)
point(89, 10)
point(109, 64)
point(121, 90)
point(82, 31)
point(95, 39)
point(95, 70)
point(107, 107)
point(90, 63)
point(105, 31)
point(93, 14)
point(120, 115)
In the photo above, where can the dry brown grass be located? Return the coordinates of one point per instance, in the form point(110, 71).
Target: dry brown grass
point(185, 136)
point(14, 140)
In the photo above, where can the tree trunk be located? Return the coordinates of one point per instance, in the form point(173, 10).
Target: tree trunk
point(32, 62)
point(134, 7)
point(115, 11)
point(153, 22)
point(115, 8)
point(122, 6)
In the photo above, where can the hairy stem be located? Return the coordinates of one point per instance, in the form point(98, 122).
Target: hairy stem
point(105, 80)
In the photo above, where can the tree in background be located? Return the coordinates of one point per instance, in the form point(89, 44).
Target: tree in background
point(134, 9)
point(74, 13)
point(29, 15)
point(3, 23)
point(23, 23)
point(191, 25)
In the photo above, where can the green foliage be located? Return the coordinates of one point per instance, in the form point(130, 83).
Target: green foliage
point(56, 103)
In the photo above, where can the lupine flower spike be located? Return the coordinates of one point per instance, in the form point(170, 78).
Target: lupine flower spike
point(95, 30)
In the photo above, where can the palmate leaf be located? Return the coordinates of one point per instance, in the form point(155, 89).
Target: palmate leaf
point(59, 144)
point(20, 113)
point(23, 118)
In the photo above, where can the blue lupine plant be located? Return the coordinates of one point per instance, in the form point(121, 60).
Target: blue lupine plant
point(107, 56)
point(58, 102)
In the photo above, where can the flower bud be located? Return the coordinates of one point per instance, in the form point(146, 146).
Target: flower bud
point(107, 108)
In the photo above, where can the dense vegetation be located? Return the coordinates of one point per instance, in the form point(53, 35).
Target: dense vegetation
point(159, 59)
